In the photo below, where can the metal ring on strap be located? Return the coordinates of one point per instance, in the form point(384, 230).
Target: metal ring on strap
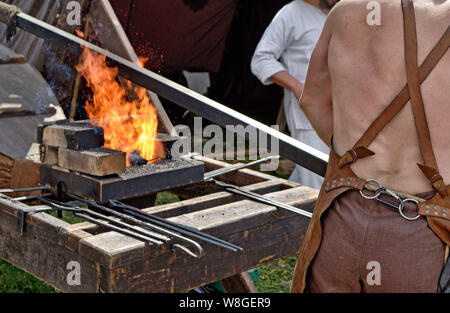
point(355, 155)
point(377, 193)
point(402, 206)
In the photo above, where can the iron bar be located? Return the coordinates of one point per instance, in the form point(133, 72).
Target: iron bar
point(77, 211)
point(259, 198)
point(138, 222)
point(32, 198)
point(39, 188)
point(189, 231)
point(235, 167)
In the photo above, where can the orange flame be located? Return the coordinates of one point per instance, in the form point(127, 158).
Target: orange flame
point(130, 125)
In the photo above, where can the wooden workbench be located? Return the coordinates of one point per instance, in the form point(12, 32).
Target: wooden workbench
point(111, 262)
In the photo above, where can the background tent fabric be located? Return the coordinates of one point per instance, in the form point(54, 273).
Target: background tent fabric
point(217, 36)
point(235, 85)
point(178, 34)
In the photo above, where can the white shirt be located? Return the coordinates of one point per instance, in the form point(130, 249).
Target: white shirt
point(287, 45)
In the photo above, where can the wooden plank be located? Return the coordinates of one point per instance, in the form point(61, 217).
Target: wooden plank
point(42, 250)
point(176, 272)
point(241, 283)
point(48, 155)
point(113, 37)
point(97, 161)
point(233, 221)
point(212, 200)
point(73, 137)
point(248, 212)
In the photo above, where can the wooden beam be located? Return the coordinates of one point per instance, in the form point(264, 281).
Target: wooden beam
point(44, 249)
point(213, 199)
point(97, 162)
point(48, 155)
point(241, 283)
point(243, 223)
point(70, 136)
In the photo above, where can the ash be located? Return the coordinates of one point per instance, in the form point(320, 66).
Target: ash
point(158, 167)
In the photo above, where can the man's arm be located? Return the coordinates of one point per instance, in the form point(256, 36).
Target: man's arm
point(316, 100)
point(265, 62)
point(285, 80)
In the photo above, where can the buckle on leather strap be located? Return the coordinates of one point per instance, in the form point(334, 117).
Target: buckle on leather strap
point(435, 178)
point(348, 158)
point(438, 184)
point(354, 154)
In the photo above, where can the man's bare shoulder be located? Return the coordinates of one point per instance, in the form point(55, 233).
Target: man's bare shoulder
point(355, 9)
point(354, 20)
point(348, 11)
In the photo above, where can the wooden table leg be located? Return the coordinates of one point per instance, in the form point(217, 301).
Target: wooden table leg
point(241, 283)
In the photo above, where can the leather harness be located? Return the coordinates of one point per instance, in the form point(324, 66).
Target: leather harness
point(340, 177)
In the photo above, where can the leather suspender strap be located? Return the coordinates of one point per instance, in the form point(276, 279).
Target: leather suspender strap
point(430, 169)
point(415, 92)
point(402, 97)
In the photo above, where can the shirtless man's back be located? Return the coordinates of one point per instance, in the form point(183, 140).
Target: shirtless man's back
point(366, 66)
point(355, 72)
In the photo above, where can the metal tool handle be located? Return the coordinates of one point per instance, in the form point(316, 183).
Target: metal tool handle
point(188, 251)
point(8, 11)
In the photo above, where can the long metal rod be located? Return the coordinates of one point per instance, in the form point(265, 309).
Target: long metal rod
point(40, 188)
point(189, 231)
point(235, 167)
point(263, 199)
point(138, 222)
point(292, 149)
point(128, 229)
point(32, 198)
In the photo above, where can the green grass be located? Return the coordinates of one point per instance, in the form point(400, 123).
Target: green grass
point(276, 277)
point(14, 280)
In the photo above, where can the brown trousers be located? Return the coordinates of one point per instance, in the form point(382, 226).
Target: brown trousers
point(357, 231)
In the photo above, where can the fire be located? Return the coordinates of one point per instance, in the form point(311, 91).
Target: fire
point(130, 122)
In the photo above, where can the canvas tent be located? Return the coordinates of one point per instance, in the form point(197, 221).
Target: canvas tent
point(216, 36)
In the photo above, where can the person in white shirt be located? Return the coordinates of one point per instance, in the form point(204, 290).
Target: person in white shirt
point(282, 57)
